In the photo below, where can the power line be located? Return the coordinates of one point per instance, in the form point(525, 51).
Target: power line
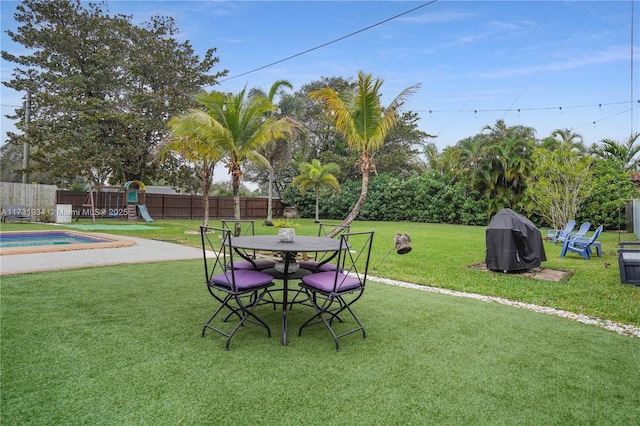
point(526, 87)
point(329, 43)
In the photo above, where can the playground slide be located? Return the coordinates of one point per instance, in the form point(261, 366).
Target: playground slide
point(144, 213)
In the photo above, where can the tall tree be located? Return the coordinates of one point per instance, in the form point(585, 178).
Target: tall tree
point(558, 184)
point(569, 139)
point(276, 150)
point(400, 153)
point(101, 88)
point(364, 123)
point(496, 162)
point(317, 176)
point(241, 126)
point(196, 144)
point(624, 153)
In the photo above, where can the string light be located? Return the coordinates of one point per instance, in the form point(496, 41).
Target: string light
point(521, 110)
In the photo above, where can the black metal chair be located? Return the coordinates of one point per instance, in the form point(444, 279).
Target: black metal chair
point(245, 227)
point(321, 261)
point(238, 291)
point(332, 293)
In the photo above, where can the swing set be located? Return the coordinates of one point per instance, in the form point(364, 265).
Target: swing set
point(116, 202)
point(104, 201)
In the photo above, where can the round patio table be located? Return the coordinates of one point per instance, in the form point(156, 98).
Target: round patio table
point(298, 245)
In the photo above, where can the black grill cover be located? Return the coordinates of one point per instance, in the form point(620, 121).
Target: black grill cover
point(514, 243)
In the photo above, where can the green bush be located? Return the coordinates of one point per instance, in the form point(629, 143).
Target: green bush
point(611, 190)
point(425, 198)
point(434, 198)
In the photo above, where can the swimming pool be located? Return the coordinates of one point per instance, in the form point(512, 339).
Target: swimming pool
point(25, 242)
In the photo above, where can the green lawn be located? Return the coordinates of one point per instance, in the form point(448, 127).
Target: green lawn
point(121, 345)
point(441, 255)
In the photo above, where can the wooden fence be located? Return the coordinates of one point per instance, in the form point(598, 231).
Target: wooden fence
point(166, 206)
point(37, 200)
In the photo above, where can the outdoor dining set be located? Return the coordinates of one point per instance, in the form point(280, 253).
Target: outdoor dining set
point(241, 267)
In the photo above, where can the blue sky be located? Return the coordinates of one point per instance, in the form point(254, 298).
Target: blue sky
point(543, 64)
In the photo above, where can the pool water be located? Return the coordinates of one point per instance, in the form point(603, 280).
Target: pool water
point(31, 239)
point(28, 242)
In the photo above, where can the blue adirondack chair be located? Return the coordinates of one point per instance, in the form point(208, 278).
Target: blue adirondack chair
point(581, 233)
point(582, 246)
point(555, 233)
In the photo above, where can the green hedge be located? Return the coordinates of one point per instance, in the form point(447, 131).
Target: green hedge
point(426, 198)
point(433, 198)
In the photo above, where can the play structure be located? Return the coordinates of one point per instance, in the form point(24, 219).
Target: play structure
point(135, 201)
point(117, 202)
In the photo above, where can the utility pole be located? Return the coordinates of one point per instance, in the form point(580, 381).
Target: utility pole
point(25, 146)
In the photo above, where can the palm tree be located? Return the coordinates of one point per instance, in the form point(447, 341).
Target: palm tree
point(358, 116)
point(195, 145)
point(275, 150)
point(497, 162)
point(430, 152)
point(568, 139)
point(317, 176)
point(240, 126)
point(625, 153)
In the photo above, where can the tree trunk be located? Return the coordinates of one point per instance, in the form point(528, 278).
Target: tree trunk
point(206, 184)
point(356, 209)
point(205, 203)
point(235, 184)
point(269, 221)
point(317, 204)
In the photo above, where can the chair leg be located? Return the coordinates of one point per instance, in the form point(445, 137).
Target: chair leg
point(320, 318)
point(563, 252)
point(247, 315)
point(224, 303)
point(271, 300)
point(324, 310)
point(249, 312)
point(355, 317)
point(295, 298)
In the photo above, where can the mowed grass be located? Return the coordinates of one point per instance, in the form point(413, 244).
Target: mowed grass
point(121, 345)
point(441, 257)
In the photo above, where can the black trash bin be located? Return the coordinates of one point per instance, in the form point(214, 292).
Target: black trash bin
point(514, 243)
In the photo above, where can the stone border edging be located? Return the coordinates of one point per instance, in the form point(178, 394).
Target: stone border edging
point(624, 329)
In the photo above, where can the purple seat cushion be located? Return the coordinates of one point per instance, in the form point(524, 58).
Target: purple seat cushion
point(245, 279)
point(312, 265)
point(324, 281)
point(245, 264)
